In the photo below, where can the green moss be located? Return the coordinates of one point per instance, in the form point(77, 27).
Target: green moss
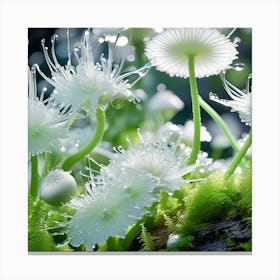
point(168, 213)
point(147, 240)
point(242, 185)
point(247, 246)
point(216, 199)
point(210, 202)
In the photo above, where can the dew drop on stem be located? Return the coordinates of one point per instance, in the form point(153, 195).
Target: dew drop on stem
point(239, 66)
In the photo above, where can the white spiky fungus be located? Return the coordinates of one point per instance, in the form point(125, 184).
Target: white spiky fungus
point(78, 86)
point(121, 193)
point(110, 205)
point(165, 161)
point(171, 133)
point(170, 50)
point(46, 123)
point(241, 100)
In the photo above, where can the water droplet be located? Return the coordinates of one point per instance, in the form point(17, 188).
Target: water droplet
point(120, 148)
point(34, 67)
point(149, 214)
point(172, 241)
point(204, 154)
point(77, 143)
point(101, 40)
point(122, 41)
point(62, 148)
point(127, 138)
point(130, 98)
point(123, 169)
point(236, 40)
point(239, 66)
point(140, 94)
point(86, 34)
point(54, 37)
point(213, 96)
point(130, 57)
point(117, 102)
point(161, 87)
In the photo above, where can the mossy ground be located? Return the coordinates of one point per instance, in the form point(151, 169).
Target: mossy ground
point(212, 215)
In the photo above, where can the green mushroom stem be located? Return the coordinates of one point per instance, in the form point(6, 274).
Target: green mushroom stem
point(195, 110)
point(215, 116)
point(100, 128)
point(239, 156)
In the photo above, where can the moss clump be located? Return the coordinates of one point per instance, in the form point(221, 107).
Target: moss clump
point(147, 240)
point(167, 213)
point(242, 185)
point(210, 202)
point(217, 199)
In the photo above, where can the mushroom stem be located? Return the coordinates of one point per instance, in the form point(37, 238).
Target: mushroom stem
point(195, 110)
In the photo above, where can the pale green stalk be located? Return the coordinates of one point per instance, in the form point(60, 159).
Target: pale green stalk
point(100, 121)
point(195, 110)
point(215, 116)
point(34, 184)
point(239, 156)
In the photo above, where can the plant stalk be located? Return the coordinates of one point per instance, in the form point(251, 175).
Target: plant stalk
point(100, 120)
point(239, 156)
point(195, 110)
point(34, 184)
point(215, 116)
